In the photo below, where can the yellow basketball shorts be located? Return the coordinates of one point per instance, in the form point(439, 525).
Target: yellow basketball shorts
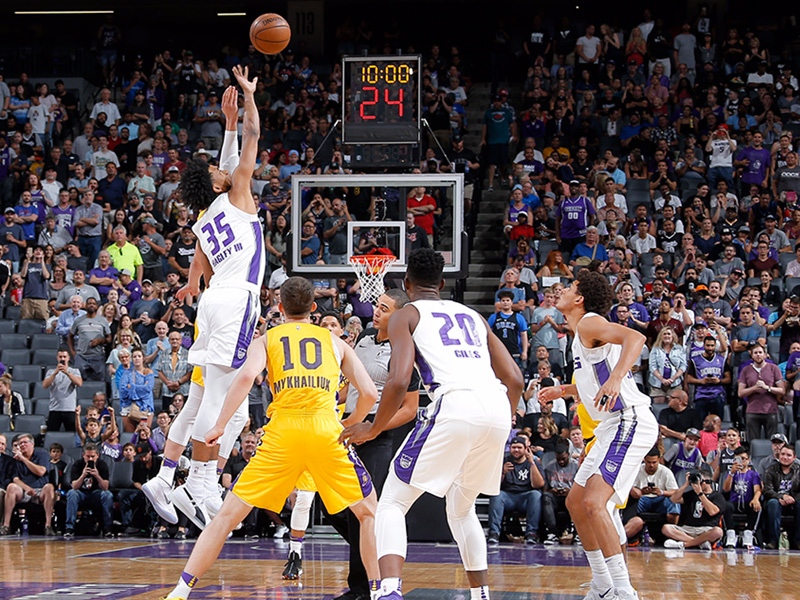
point(296, 441)
point(306, 483)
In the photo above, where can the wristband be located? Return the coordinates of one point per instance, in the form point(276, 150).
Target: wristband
point(562, 390)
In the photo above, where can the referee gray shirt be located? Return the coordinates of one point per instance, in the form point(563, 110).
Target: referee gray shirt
point(375, 355)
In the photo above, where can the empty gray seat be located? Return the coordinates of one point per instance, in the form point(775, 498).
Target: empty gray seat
point(30, 423)
point(44, 341)
point(30, 326)
point(11, 358)
point(29, 373)
point(14, 341)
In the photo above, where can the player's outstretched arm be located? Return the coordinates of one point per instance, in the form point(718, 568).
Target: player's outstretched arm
point(356, 372)
point(597, 331)
point(240, 194)
point(240, 388)
point(229, 155)
point(505, 368)
point(401, 324)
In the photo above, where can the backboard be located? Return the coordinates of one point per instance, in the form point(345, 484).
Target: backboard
point(379, 207)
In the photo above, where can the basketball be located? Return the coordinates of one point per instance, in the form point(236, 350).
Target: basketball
point(270, 33)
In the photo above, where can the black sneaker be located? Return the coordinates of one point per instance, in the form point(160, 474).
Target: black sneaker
point(108, 535)
point(551, 540)
point(531, 539)
point(294, 567)
point(493, 539)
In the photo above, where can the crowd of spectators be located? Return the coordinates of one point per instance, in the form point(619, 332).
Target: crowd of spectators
point(665, 158)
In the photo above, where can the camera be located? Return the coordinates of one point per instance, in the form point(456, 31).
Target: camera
point(694, 478)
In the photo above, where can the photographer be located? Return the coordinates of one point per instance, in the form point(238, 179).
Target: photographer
point(653, 491)
point(520, 489)
point(334, 231)
point(721, 148)
point(89, 488)
point(62, 383)
point(699, 523)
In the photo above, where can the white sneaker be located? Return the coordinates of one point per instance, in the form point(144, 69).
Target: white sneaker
point(280, 532)
point(747, 539)
point(596, 593)
point(671, 544)
point(730, 539)
point(213, 504)
point(196, 511)
point(705, 546)
point(157, 492)
point(623, 595)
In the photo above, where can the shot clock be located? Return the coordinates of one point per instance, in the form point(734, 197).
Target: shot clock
point(383, 105)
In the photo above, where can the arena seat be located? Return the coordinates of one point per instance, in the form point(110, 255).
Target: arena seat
point(5, 425)
point(15, 341)
point(7, 327)
point(30, 423)
point(29, 373)
point(12, 358)
point(46, 358)
point(30, 326)
point(23, 388)
point(13, 313)
point(90, 388)
point(44, 341)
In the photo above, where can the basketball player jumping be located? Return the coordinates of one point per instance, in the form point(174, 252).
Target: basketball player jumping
point(304, 363)
point(230, 241)
point(158, 489)
point(604, 353)
point(456, 449)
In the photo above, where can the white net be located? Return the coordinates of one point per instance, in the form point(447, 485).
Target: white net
point(370, 270)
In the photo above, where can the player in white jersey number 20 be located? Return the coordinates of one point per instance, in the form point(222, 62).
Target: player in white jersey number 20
point(456, 449)
point(603, 354)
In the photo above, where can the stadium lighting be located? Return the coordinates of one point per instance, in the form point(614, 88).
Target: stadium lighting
point(63, 12)
point(231, 14)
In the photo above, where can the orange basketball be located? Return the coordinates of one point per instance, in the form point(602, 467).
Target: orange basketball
point(270, 33)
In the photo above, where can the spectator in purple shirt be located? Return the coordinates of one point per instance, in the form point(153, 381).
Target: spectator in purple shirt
point(573, 215)
point(129, 289)
point(755, 161)
point(104, 275)
point(744, 486)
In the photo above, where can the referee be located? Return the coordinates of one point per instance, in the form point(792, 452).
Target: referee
point(374, 351)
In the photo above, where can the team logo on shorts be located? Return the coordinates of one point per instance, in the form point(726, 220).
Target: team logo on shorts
point(405, 461)
point(611, 467)
point(241, 353)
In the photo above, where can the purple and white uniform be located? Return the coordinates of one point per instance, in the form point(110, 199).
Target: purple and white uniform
point(461, 434)
point(574, 213)
point(626, 433)
point(229, 309)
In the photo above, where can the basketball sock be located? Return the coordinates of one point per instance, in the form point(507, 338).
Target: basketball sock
point(600, 575)
point(296, 545)
point(196, 481)
point(479, 593)
point(212, 477)
point(374, 589)
point(391, 584)
point(619, 572)
point(167, 470)
point(184, 587)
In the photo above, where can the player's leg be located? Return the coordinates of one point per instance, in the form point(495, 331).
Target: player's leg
point(190, 497)
point(213, 501)
point(301, 513)
point(209, 544)
point(468, 533)
point(390, 532)
point(158, 489)
point(365, 511)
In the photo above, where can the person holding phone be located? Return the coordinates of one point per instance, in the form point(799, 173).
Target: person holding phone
point(89, 489)
point(652, 490)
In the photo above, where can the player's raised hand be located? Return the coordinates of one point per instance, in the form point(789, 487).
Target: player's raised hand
point(241, 75)
point(548, 394)
point(230, 104)
point(213, 435)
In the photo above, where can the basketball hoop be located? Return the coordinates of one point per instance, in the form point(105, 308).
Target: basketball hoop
point(370, 270)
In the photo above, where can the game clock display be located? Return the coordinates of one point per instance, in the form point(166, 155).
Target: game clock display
point(383, 103)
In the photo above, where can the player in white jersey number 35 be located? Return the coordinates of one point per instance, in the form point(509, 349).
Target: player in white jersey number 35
point(456, 449)
point(603, 354)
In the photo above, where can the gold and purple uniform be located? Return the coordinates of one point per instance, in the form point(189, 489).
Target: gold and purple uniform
point(303, 370)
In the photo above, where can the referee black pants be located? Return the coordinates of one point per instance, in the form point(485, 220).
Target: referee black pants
point(376, 455)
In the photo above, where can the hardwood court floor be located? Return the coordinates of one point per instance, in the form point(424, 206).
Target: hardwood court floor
point(83, 569)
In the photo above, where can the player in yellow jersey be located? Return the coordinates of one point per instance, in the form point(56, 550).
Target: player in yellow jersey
point(303, 363)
